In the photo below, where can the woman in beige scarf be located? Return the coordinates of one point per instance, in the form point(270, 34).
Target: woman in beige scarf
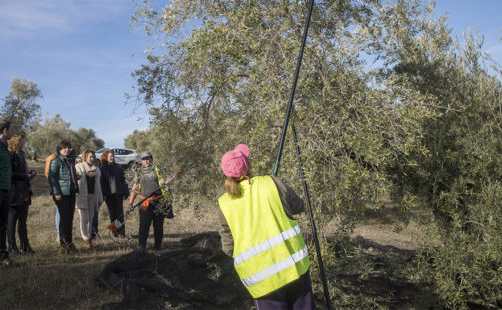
point(90, 196)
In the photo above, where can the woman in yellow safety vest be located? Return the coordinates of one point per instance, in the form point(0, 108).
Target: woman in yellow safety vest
point(258, 230)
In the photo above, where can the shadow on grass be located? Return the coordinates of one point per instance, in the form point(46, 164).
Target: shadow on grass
point(185, 275)
point(190, 274)
point(386, 214)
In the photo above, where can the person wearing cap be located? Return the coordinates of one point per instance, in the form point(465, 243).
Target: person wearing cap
point(259, 231)
point(148, 186)
point(114, 189)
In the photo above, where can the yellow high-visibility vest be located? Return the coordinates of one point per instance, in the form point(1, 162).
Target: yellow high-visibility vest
point(269, 250)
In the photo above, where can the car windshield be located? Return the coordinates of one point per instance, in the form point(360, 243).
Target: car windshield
point(102, 150)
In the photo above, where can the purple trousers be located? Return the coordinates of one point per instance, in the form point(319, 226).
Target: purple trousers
point(295, 295)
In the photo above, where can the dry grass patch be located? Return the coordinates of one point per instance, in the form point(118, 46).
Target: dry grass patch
point(371, 272)
point(48, 280)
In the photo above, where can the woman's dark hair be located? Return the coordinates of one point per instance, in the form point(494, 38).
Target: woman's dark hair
point(62, 144)
point(4, 124)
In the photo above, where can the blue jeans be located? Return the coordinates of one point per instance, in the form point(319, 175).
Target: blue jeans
point(58, 219)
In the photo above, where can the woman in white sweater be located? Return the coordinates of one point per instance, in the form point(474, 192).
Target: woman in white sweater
point(89, 197)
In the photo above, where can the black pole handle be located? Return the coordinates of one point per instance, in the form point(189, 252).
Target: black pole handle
point(281, 146)
point(312, 222)
point(293, 88)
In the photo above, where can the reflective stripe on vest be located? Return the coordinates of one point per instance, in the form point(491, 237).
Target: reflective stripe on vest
point(269, 250)
point(275, 268)
point(267, 244)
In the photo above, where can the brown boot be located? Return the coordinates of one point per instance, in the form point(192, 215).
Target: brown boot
point(88, 244)
point(71, 248)
point(63, 249)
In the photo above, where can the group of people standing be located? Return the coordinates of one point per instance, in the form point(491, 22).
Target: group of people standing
point(257, 224)
point(82, 185)
point(85, 186)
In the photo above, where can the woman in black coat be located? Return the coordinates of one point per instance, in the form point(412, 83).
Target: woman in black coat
point(114, 187)
point(20, 198)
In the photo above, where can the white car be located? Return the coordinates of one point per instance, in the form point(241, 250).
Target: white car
point(123, 157)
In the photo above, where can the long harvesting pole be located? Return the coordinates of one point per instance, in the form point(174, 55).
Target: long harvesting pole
point(312, 222)
point(279, 153)
point(293, 88)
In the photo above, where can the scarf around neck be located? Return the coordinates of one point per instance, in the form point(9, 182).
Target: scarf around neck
point(89, 170)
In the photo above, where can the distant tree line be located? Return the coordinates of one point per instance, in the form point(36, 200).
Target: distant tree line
point(21, 108)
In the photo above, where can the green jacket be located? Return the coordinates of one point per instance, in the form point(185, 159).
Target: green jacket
point(5, 167)
point(59, 178)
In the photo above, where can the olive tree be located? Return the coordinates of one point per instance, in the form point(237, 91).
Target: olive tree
point(44, 139)
point(20, 106)
point(387, 104)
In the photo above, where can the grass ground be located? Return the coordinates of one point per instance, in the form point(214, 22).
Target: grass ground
point(48, 280)
point(370, 273)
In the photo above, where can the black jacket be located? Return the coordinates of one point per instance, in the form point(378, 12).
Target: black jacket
point(117, 172)
point(20, 192)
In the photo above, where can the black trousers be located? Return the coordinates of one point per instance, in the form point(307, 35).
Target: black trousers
point(18, 216)
point(4, 220)
point(66, 208)
point(296, 295)
point(115, 206)
point(145, 220)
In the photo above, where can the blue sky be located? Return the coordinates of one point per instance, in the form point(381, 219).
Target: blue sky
point(484, 14)
point(81, 54)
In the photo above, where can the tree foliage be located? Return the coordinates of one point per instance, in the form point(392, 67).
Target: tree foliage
point(388, 103)
point(20, 105)
point(85, 139)
point(139, 140)
point(44, 139)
